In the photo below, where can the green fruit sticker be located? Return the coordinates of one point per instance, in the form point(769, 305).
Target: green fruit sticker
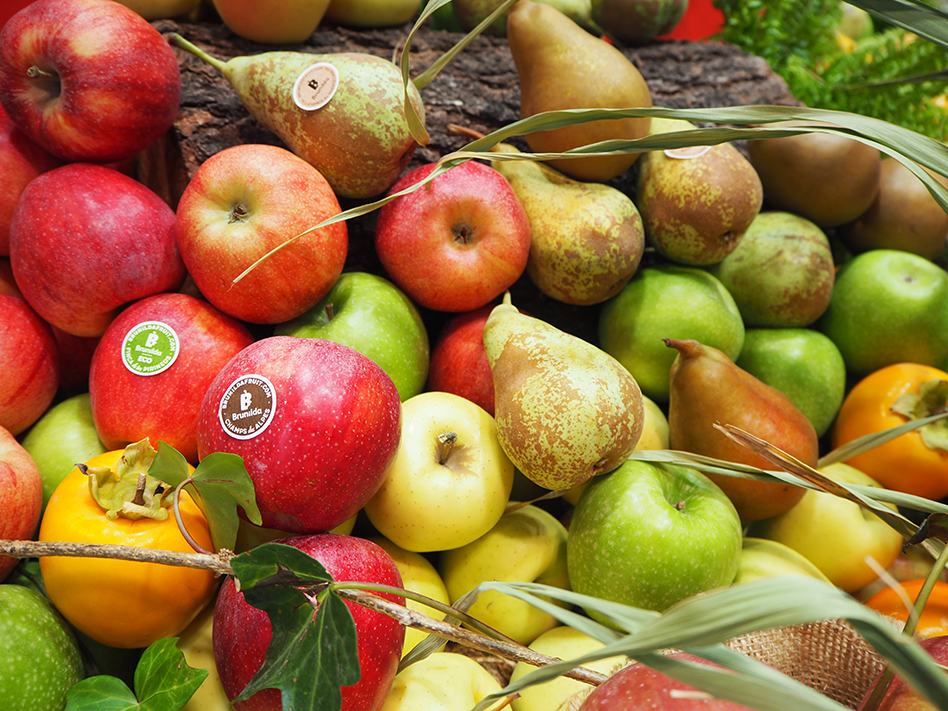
point(315, 86)
point(150, 348)
point(247, 406)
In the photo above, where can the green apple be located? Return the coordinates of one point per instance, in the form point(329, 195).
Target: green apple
point(39, 656)
point(763, 558)
point(649, 535)
point(563, 642)
point(450, 479)
point(835, 534)
point(526, 545)
point(856, 23)
point(443, 681)
point(369, 313)
point(420, 576)
point(371, 13)
point(63, 437)
point(887, 307)
point(803, 364)
point(667, 301)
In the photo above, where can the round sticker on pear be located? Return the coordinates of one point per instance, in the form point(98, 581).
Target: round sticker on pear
point(315, 86)
point(247, 406)
point(150, 348)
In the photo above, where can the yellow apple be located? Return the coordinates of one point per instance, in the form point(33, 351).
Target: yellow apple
point(444, 681)
point(284, 22)
point(420, 576)
point(371, 13)
point(654, 436)
point(565, 643)
point(450, 479)
point(198, 648)
point(161, 9)
point(525, 545)
point(836, 535)
point(764, 558)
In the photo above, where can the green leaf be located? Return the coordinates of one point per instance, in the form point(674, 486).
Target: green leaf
point(163, 679)
point(916, 17)
point(220, 485)
point(308, 659)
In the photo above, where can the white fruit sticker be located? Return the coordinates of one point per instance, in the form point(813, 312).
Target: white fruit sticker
point(247, 406)
point(687, 152)
point(150, 348)
point(315, 86)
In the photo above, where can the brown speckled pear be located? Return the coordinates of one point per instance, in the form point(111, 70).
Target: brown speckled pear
point(586, 239)
point(359, 140)
point(707, 388)
point(562, 66)
point(565, 410)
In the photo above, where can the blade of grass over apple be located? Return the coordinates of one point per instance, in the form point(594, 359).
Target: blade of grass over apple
point(917, 17)
point(701, 623)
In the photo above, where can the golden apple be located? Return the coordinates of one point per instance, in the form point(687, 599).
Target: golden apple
point(371, 13)
point(444, 681)
point(284, 22)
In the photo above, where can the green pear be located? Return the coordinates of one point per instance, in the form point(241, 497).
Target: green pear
point(562, 66)
point(471, 13)
point(696, 202)
point(359, 139)
point(565, 410)
point(586, 239)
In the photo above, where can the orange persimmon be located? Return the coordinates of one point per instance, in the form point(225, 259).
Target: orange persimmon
point(933, 622)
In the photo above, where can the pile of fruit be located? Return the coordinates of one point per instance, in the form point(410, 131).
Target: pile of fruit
point(761, 420)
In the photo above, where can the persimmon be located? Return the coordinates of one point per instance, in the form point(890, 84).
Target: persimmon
point(933, 622)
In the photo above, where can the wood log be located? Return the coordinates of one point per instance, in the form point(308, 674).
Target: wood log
point(478, 89)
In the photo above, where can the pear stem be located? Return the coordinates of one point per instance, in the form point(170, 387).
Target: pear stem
point(177, 40)
point(446, 442)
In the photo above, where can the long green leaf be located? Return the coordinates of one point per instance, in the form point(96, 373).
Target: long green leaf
point(916, 17)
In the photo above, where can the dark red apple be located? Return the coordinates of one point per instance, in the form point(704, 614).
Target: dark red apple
point(21, 160)
point(242, 632)
point(902, 697)
point(153, 365)
point(88, 80)
point(641, 688)
point(316, 423)
point(75, 359)
point(459, 362)
point(21, 495)
point(7, 280)
point(86, 240)
point(29, 376)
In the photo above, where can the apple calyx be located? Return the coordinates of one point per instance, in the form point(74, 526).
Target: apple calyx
point(129, 491)
point(931, 399)
point(463, 234)
point(446, 442)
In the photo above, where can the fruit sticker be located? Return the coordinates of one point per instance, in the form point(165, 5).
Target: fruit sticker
point(150, 348)
point(687, 152)
point(315, 86)
point(247, 406)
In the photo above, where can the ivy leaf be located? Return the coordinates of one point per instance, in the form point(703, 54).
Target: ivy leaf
point(308, 659)
point(163, 679)
point(220, 485)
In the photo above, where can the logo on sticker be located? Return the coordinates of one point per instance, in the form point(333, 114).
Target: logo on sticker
point(315, 86)
point(150, 348)
point(247, 406)
point(687, 151)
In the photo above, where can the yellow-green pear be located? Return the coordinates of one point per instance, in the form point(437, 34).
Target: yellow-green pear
point(565, 410)
point(586, 239)
point(562, 66)
point(696, 202)
point(358, 139)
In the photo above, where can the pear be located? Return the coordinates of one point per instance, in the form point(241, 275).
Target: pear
point(696, 202)
point(359, 140)
point(565, 410)
point(562, 66)
point(708, 388)
point(586, 239)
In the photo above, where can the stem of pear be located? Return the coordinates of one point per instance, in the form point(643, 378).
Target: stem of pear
point(177, 40)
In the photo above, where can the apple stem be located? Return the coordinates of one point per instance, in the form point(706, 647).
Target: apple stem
point(446, 442)
point(34, 72)
point(329, 311)
point(680, 506)
point(177, 40)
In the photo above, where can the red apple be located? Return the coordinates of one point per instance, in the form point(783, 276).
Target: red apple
point(152, 367)
point(88, 80)
point(86, 240)
point(459, 362)
point(316, 423)
point(902, 697)
point(456, 243)
point(30, 373)
point(21, 496)
point(21, 160)
point(75, 359)
point(244, 202)
point(7, 280)
point(637, 687)
point(242, 632)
